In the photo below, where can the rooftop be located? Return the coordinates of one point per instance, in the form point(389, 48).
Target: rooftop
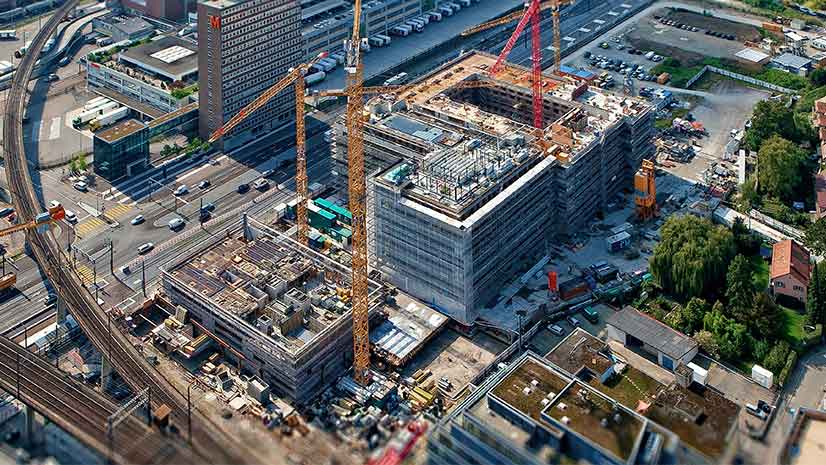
point(752, 55)
point(470, 135)
point(525, 388)
point(806, 442)
point(170, 57)
point(127, 24)
point(406, 330)
point(120, 130)
point(820, 192)
point(654, 333)
point(579, 350)
point(791, 61)
point(789, 257)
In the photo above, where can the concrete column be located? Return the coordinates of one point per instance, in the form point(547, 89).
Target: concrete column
point(29, 429)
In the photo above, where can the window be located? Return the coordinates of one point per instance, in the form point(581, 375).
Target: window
point(798, 288)
point(779, 284)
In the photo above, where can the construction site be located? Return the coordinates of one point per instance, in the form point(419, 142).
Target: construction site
point(460, 183)
point(283, 308)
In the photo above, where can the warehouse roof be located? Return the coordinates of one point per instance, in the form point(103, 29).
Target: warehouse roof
point(652, 332)
point(752, 55)
point(787, 60)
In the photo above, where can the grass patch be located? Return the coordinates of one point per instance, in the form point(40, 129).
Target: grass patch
point(679, 74)
point(665, 123)
point(760, 273)
point(807, 101)
point(793, 326)
point(782, 79)
point(629, 387)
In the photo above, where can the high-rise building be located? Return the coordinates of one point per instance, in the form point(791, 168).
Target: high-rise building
point(244, 47)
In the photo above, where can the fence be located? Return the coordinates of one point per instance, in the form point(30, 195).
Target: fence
point(738, 76)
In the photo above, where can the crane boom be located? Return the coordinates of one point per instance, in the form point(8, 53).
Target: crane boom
point(397, 90)
point(55, 214)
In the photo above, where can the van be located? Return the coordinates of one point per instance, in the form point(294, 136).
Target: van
point(70, 216)
point(556, 329)
point(649, 55)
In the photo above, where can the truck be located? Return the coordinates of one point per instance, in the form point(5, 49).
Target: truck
point(110, 117)
point(5, 67)
point(453, 6)
point(8, 34)
point(663, 78)
point(415, 25)
point(21, 52)
point(365, 45)
point(446, 10)
point(95, 103)
point(425, 18)
point(385, 38)
point(435, 15)
point(649, 55)
point(375, 41)
point(314, 78)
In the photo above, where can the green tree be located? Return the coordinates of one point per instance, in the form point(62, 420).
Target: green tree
point(707, 342)
point(81, 162)
point(776, 358)
point(739, 288)
point(818, 77)
point(780, 163)
point(815, 237)
point(761, 349)
point(692, 257)
point(816, 297)
point(766, 318)
point(770, 118)
point(731, 337)
point(747, 243)
point(688, 318)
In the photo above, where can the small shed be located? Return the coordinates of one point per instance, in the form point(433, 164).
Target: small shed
point(792, 64)
point(635, 329)
point(617, 242)
point(752, 57)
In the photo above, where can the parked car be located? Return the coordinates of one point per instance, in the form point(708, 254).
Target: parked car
point(54, 204)
point(52, 77)
point(49, 299)
point(181, 190)
point(243, 188)
point(262, 184)
point(81, 186)
point(267, 173)
point(145, 248)
point(208, 207)
point(204, 184)
point(176, 223)
point(590, 315)
point(556, 329)
point(137, 220)
point(573, 321)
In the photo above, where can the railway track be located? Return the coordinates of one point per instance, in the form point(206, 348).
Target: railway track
point(210, 441)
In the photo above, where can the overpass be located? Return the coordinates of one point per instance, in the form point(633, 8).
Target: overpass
point(82, 412)
point(207, 438)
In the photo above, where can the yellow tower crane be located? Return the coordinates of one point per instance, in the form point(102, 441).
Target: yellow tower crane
point(296, 75)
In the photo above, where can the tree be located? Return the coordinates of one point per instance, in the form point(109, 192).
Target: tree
point(692, 258)
point(818, 77)
point(81, 162)
point(707, 342)
point(739, 288)
point(770, 118)
point(776, 359)
point(731, 337)
point(816, 297)
point(815, 237)
point(747, 243)
point(689, 318)
point(779, 167)
point(766, 318)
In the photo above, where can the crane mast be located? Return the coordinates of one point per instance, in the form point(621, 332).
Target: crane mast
point(357, 192)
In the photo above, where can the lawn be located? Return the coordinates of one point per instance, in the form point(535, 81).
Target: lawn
point(630, 387)
point(794, 329)
point(760, 272)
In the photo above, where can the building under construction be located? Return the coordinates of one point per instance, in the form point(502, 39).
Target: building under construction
point(283, 308)
point(462, 192)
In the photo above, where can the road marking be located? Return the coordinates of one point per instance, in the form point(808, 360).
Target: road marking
point(117, 212)
point(89, 226)
point(86, 274)
point(54, 129)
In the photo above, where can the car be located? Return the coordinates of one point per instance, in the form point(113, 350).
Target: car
point(243, 188)
point(261, 184)
point(70, 216)
point(181, 190)
point(204, 216)
point(587, 55)
point(590, 314)
point(137, 220)
point(145, 247)
point(556, 329)
point(604, 45)
point(64, 61)
point(125, 269)
point(214, 162)
point(54, 204)
point(203, 184)
point(6, 212)
point(176, 224)
point(49, 299)
point(573, 321)
point(52, 77)
point(81, 186)
point(208, 207)
point(267, 173)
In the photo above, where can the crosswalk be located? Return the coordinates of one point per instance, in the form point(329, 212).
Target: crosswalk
point(87, 275)
point(117, 212)
point(89, 226)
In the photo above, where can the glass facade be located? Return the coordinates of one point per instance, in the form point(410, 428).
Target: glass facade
point(121, 153)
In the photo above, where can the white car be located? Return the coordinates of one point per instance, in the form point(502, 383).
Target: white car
point(81, 186)
point(145, 247)
point(70, 216)
point(137, 220)
point(261, 184)
point(556, 329)
point(181, 190)
point(176, 223)
point(54, 204)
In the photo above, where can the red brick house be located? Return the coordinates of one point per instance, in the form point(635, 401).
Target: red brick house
point(790, 270)
point(820, 195)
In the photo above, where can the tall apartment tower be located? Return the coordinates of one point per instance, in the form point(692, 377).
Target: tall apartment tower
point(244, 47)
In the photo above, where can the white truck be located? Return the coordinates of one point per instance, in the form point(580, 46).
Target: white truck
point(384, 38)
point(110, 117)
point(435, 15)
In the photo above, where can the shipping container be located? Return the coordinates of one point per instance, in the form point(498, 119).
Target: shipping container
point(95, 102)
point(314, 78)
point(387, 39)
point(618, 242)
point(573, 288)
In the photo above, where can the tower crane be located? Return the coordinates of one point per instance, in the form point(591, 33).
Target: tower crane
point(295, 75)
point(400, 89)
point(354, 69)
point(530, 14)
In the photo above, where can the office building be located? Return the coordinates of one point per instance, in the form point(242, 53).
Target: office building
point(121, 150)
point(244, 48)
point(461, 194)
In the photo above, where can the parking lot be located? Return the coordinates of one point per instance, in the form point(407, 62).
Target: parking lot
point(544, 340)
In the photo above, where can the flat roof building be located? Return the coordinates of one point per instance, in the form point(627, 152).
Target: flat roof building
point(274, 301)
point(169, 57)
point(122, 27)
point(121, 150)
point(463, 194)
point(633, 328)
point(246, 46)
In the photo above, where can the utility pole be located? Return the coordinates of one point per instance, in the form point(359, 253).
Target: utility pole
point(189, 412)
point(95, 277)
point(111, 257)
point(143, 276)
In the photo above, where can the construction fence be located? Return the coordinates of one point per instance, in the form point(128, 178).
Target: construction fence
point(738, 76)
